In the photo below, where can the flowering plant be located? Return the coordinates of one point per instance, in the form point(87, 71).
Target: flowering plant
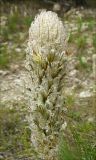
point(46, 65)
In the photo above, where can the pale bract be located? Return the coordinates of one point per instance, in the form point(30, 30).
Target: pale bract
point(47, 34)
point(46, 66)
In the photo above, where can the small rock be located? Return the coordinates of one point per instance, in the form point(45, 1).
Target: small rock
point(18, 50)
point(4, 73)
point(91, 119)
point(1, 157)
point(85, 94)
point(73, 73)
point(56, 7)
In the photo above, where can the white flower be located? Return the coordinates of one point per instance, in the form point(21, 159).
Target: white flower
point(47, 33)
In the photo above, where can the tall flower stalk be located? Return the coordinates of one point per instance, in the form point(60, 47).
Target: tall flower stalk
point(46, 65)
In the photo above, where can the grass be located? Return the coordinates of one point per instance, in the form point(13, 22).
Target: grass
point(76, 144)
point(65, 153)
point(14, 132)
point(78, 141)
point(83, 65)
point(9, 56)
point(70, 100)
point(14, 32)
point(4, 56)
point(81, 42)
point(79, 144)
point(79, 23)
point(94, 41)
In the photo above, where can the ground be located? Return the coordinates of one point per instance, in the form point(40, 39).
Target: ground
point(80, 80)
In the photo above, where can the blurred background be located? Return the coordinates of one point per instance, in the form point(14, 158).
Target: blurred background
point(16, 17)
point(79, 17)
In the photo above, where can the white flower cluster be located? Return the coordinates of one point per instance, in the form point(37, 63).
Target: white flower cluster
point(44, 83)
point(47, 34)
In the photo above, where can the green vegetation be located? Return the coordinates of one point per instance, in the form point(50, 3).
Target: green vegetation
point(81, 42)
point(94, 41)
point(13, 34)
point(80, 145)
point(14, 132)
point(70, 100)
point(10, 55)
point(78, 142)
point(4, 60)
point(80, 24)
